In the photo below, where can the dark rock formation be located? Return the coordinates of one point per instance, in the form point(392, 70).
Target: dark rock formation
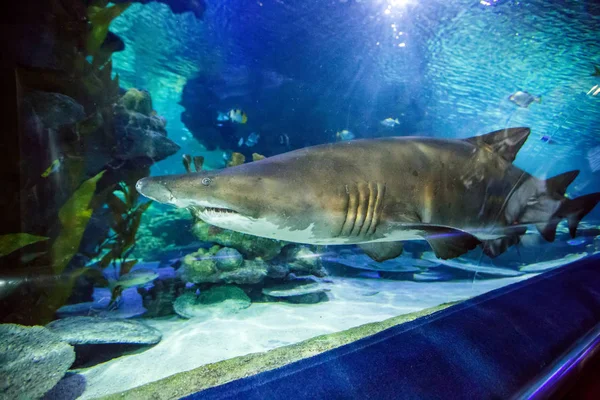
point(93, 330)
point(216, 302)
point(158, 300)
point(196, 7)
point(32, 361)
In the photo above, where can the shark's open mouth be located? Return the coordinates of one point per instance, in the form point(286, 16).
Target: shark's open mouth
point(218, 210)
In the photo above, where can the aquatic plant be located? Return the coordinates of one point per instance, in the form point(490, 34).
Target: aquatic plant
point(100, 16)
point(69, 128)
point(14, 241)
point(126, 216)
point(73, 216)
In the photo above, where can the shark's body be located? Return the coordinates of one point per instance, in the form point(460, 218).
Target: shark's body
point(456, 194)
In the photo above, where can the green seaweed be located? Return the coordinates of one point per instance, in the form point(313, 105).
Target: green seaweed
point(100, 18)
point(15, 241)
point(126, 216)
point(73, 216)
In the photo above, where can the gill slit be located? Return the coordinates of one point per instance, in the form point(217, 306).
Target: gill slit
point(363, 206)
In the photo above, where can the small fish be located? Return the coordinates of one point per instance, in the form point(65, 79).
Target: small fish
point(594, 91)
point(221, 117)
point(524, 99)
point(252, 139)
point(593, 157)
point(238, 116)
point(136, 277)
point(55, 166)
point(390, 123)
point(284, 140)
point(240, 142)
point(577, 242)
point(344, 135)
point(596, 71)
point(547, 139)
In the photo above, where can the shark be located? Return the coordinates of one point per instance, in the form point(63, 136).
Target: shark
point(457, 194)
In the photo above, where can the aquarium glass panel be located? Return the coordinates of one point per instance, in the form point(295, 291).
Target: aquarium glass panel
point(206, 183)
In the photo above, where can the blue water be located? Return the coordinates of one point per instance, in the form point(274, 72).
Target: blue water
point(309, 69)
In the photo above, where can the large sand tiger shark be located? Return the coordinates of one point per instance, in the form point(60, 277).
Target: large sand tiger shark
point(455, 194)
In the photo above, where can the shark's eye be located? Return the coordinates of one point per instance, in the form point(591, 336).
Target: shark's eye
point(206, 181)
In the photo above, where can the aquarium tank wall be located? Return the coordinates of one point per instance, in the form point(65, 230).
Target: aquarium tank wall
point(234, 186)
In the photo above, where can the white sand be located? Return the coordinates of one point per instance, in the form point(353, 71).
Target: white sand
point(188, 344)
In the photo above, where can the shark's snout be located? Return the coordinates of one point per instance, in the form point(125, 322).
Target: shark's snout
point(154, 189)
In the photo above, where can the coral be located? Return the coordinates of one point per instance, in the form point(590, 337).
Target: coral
point(229, 266)
point(162, 230)
point(33, 361)
point(257, 157)
point(228, 259)
point(203, 266)
point(236, 159)
point(138, 101)
point(249, 246)
point(226, 265)
point(215, 302)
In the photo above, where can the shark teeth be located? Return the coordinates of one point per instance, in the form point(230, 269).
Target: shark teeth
point(217, 210)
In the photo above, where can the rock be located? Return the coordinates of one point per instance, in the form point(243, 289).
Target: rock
point(361, 261)
point(295, 288)
point(80, 309)
point(228, 259)
point(249, 246)
point(301, 291)
point(309, 298)
point(159, 299)
point(92, 330)
point(218, 301)
point(304, 260)
point(53, 109)
point(141, 136)
point(32, 361)
point(251, 272)
point(433, 276)
point(201, 267)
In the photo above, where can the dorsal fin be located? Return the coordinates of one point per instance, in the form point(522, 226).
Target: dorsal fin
point(505, 142)
point(558, 184)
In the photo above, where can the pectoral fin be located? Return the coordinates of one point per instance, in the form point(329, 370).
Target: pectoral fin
point(448, 242)
point(381, 251)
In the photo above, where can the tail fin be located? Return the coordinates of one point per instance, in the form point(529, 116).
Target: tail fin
point(574, 210)
point(547, 209)
point(559, 183)
point(571, 209)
